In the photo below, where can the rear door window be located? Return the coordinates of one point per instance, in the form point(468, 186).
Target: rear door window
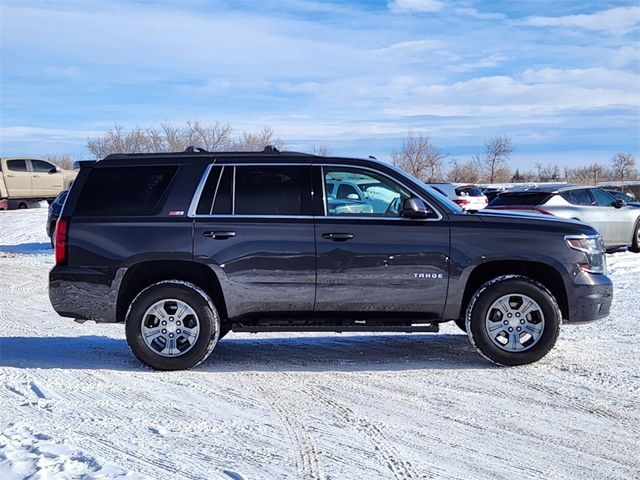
point(17, 165)
point(577, 197)
point(468, 191)
point(124, 191)
point(272, 190)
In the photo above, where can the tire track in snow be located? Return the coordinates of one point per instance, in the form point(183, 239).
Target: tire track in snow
point(307, 459)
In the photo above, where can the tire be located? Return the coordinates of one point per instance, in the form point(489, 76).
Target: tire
point(635, 243)
point(22, 206)
point(190, 318)
point(224, 329)
point(461, 323)
point(534, 320)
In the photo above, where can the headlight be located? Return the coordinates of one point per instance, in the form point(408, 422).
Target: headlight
point(593, 249)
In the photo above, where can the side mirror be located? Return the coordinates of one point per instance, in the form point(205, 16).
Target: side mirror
point(55, 170)
point(619, 204)
point(353, 196)
point(415, 207)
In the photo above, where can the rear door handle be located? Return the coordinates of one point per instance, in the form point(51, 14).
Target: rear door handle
point(337, 237)
point(219, 235)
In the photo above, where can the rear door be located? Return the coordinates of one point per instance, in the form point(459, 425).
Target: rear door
point(17, 179)
point(374, 261)
point(253, 226)
point(46, 181)
point(586, 210)
point(618, 220)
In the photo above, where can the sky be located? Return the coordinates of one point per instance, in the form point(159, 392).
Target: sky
point(561, 77)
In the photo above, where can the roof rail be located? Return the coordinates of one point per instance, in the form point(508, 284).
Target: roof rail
point(192, 149)
point(270, 149)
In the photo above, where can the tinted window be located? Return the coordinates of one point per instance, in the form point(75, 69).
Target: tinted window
point(17, 165)
point(124, 191)
point(382, 196)
point(208, 192)
point(577, 197)
point(223, 204)
point(272, 190)
point(603, 199)
point(41, 167)
point(525, 198)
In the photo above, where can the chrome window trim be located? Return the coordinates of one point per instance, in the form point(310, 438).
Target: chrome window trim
point(198, 193)
point(324, 191)
point(233, 192)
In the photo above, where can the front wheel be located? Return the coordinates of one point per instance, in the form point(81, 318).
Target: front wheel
point(513, 320)
point(172, 325)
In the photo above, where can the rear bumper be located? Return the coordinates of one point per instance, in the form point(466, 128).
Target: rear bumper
point(84, 293)
point(592, 297)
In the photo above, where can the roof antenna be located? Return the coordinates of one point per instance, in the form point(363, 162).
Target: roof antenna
point(372, 157)
point(270, 149)
point(192, 149)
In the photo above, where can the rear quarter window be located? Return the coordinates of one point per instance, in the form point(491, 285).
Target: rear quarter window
point(469, 191)
point(124, 191)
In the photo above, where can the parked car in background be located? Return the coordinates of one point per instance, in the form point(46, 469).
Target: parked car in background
point(23, 204)
point(4, 204)
point(54, 212)
point(628, 199)
point(32, 179)
point(469, 197)
point(618, 223)
point(357, 195)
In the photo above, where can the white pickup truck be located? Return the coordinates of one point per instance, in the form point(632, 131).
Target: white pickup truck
point(32, 179)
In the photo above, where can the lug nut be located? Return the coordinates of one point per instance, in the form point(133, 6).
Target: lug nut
point(178, 323)
point(509, 315)
point(178, 331)
point(510, 329)
point(518, 315)
point(522, 321)
point(171, 319)
point(164, 322)
point(171, 335)
point(164, 330)
point(506, 322)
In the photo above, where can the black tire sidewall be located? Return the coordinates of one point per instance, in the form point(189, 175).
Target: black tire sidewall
point(635, 247)
point(207, 317)
point(476, 321)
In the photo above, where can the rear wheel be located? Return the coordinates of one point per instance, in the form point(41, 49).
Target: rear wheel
point(635, 244)
point(172, 325)
point(513, 320)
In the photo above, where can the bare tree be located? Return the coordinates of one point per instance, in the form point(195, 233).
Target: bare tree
point(321, 150)
point(255, 142)
point(419, 157)
point(623, 166)
point(170, 138)
point(63, 161)
point(467, 172)
point(493, 162)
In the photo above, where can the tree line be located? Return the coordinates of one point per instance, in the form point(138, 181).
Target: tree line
point(417, 154)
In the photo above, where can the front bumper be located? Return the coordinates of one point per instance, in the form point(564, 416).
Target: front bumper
point(591, 298)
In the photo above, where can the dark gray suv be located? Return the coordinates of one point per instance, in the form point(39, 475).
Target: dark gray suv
point(184, 247)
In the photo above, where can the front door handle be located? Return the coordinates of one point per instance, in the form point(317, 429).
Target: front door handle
point(219, 235)
point(337, 237)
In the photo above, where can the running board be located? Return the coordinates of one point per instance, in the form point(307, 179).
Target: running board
point(431, 328)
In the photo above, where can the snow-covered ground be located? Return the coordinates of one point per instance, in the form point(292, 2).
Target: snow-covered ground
point(74, 403)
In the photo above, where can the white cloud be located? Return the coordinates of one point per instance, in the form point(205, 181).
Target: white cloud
point(415, 6)
point(627, 55)
point(616, 21)
point(411, 46)
point(57, 71)
point(472, 12)
point(486, 62)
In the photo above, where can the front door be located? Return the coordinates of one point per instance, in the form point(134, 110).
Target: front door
point(370, 259)
point(254, 227)
point(47, 181)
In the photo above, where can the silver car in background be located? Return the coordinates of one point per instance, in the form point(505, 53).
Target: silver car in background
point(469, 197)
point(617, 222)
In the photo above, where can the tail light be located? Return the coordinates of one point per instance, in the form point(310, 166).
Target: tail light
point(540, 210)
point(461, 201)
point(61, 237)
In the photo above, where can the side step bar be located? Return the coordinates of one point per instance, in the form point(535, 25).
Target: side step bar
point(431, 328)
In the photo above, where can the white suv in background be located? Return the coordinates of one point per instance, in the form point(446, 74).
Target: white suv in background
point(469, 197)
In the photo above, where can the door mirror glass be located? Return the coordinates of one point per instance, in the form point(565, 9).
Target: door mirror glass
point(415, 207)
point(619, 204)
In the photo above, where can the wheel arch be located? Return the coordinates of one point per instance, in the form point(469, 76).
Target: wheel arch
point(542, 273)
point(141, 275)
